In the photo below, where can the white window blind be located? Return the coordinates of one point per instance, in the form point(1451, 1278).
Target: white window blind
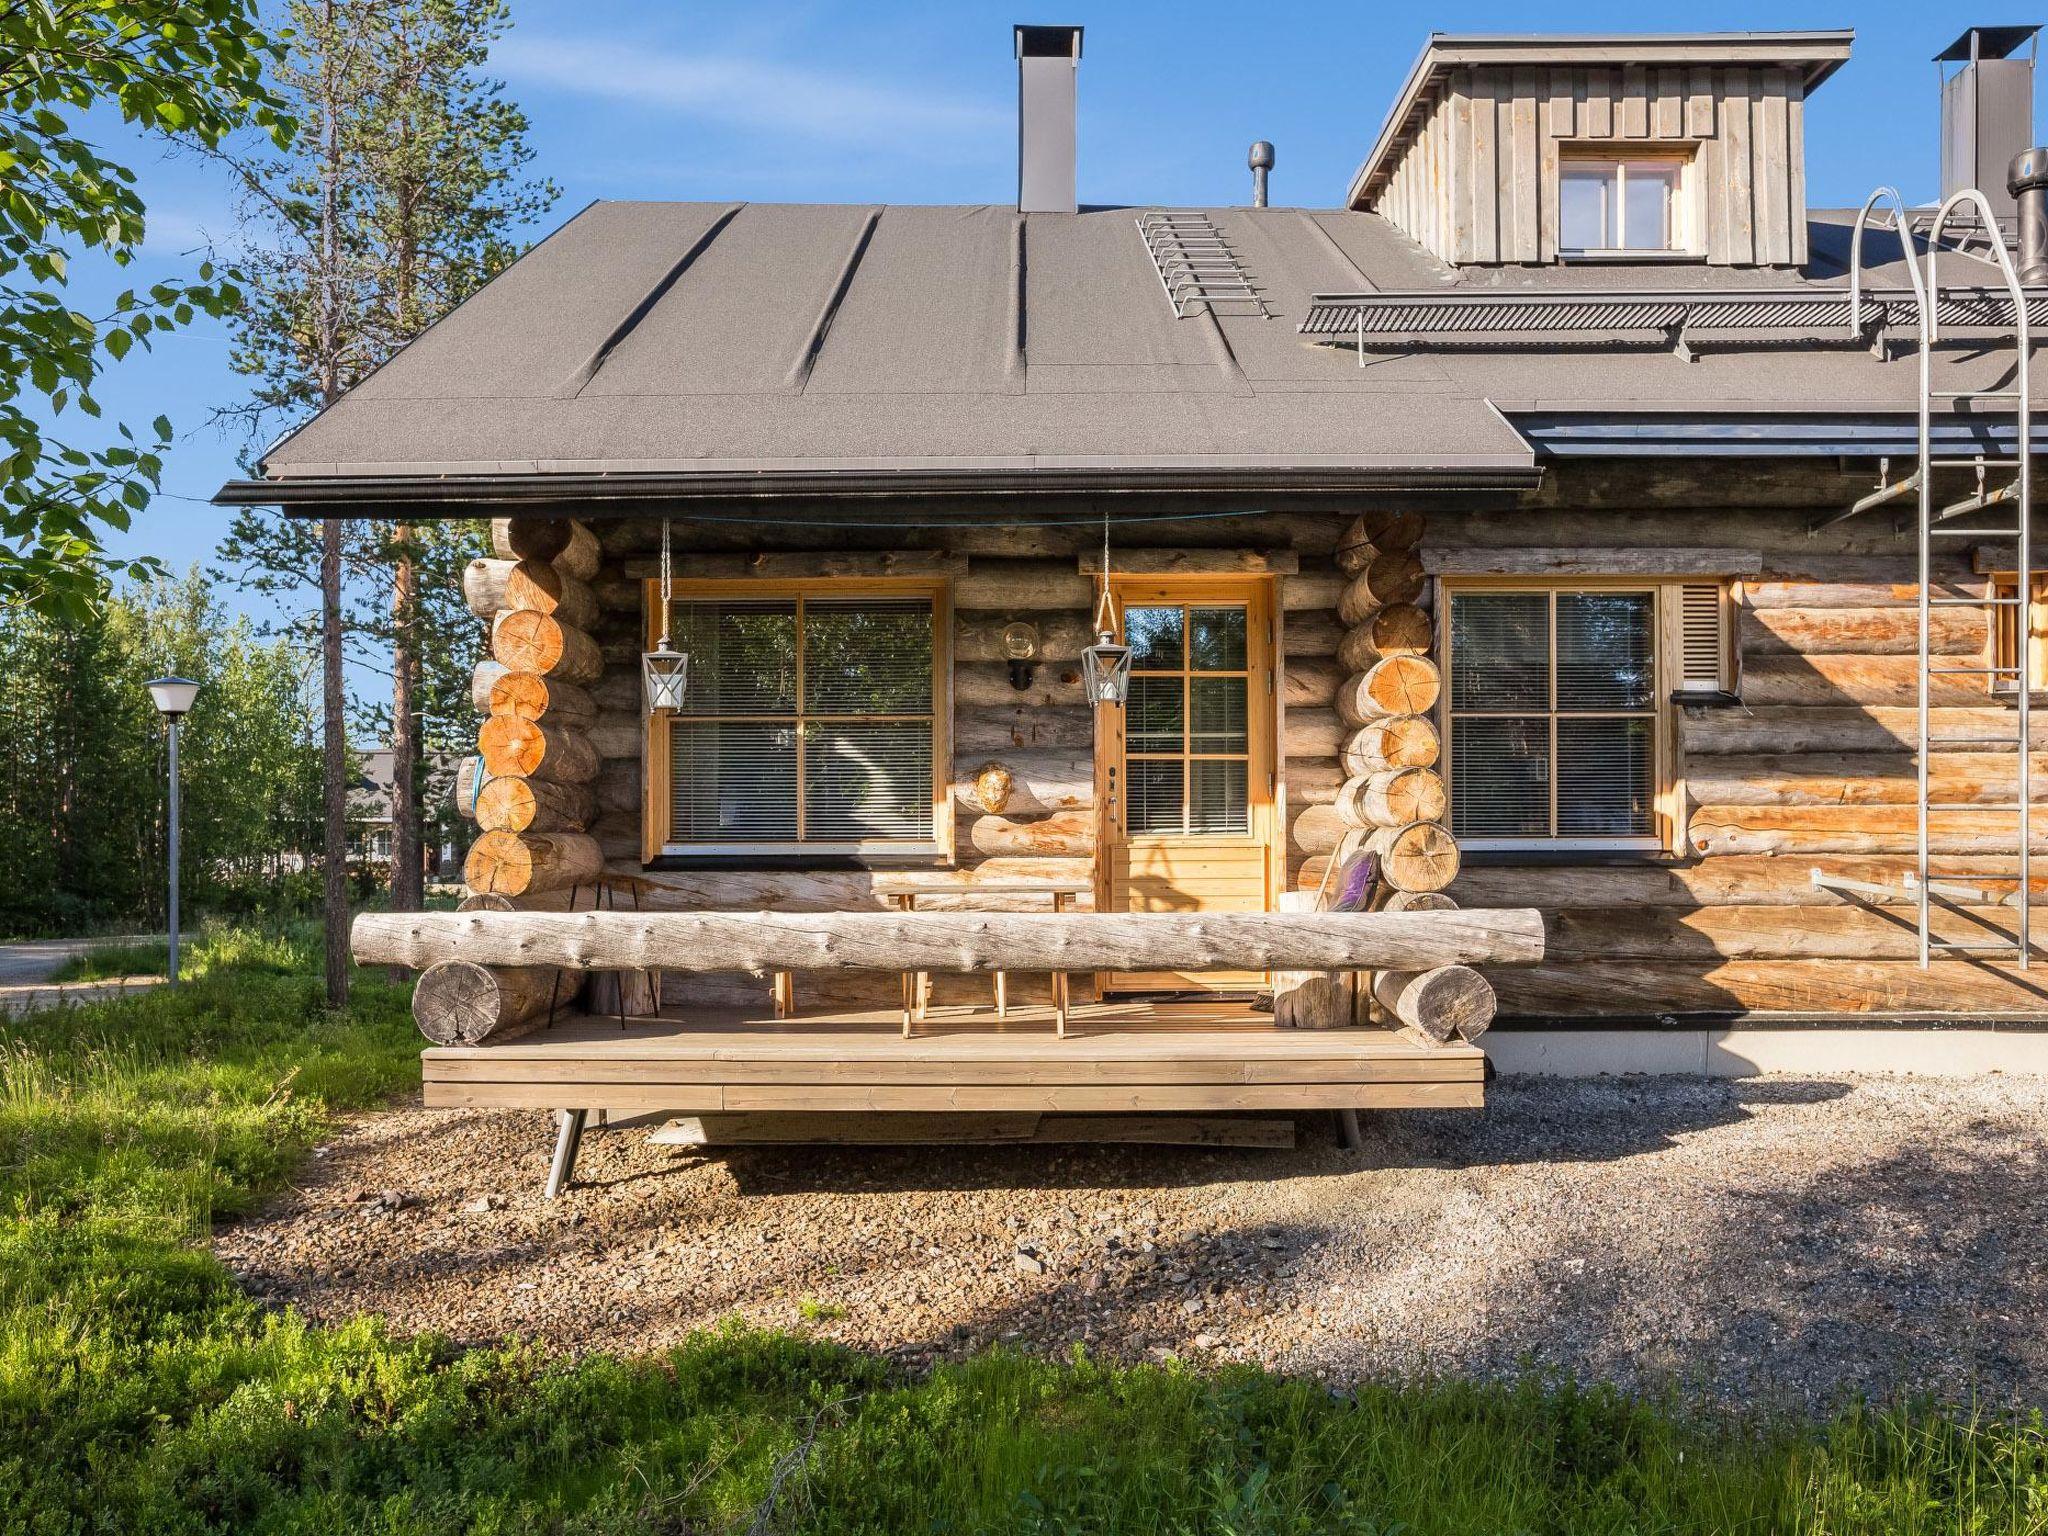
point(810, 722)
point(1552, 715)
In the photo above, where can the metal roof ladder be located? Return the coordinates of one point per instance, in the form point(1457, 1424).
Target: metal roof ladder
point(1929, 887)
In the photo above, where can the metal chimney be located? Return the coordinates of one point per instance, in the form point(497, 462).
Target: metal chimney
point(1987, 110)
point(2028, 183)
point(1261, 161)
point(1048, 58)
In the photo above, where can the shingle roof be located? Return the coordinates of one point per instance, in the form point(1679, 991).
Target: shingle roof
point(743, 347)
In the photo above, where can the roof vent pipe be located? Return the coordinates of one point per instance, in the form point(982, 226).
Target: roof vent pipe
point(1261, 161)
point(2028, 183)
point(1048, 58)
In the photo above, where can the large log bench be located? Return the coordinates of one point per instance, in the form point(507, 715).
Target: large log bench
point(522, 947)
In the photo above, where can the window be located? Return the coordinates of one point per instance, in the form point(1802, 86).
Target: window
point(1614, 205)
point(1553, 714)
point(812, 723)
point(1187, 742)
point(2005, 633)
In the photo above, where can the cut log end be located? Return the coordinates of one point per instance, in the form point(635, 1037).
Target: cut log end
point(459, 1003)
point(1422, 857)
point(1449, 1000)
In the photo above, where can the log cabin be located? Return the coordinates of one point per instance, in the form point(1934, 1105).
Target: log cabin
point(1544, 513)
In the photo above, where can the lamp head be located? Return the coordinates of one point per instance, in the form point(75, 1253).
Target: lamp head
point(172, 696)
point(665, 673)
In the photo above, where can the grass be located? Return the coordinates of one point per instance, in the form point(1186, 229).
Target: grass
point(141, 1391)
point(111, 962)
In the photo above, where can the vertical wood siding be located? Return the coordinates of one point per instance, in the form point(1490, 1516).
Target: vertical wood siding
point(1478, 179)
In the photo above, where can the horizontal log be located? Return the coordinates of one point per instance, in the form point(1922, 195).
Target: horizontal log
point(526, 641)
point(987, 684)
point(1312, 999)
point(618, 785)
point(1316, 829)
point(1399, 685)
point(1400, 741)
point(1740, 880)
point(810, 565)
point(544, 588)
point(1625, 559)
point(1371, 534)
point(520, 863)
point(1802, 829)
point(1438, 1003)
point(1311, 682)
point(988, 732)
point(568, 544)
point(1895, 585)
point(1794, 728)
point(483, 586)
point(1660, 989)
point(1023, 588)
point(1422, 857)
point(1311, 733)
point(1388, 579)
point(1192, 562)
point(536, 749)
point(482, 680)
point(533, 697)
point(1860, 631)
point(969, 943)
point(470, 779)
point(1844, 931)
point(1024, 783)
point(1393, 798)
point(1861, 778)
point(1061, 637)
point(618, 735)
point(1063, 834)
point(1835, 680)
point(1311, 592)
point(1311, 780)
point(739, 890)
point(456, 1002)
point(534, 805)
point(1312, 632)
point(1400, 630)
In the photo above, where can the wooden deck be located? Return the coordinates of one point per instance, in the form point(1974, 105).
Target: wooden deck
point(1116, 1057)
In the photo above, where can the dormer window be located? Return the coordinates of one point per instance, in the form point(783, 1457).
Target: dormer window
point(1610, 205)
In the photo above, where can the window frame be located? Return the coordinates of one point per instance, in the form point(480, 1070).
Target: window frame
point(1684, 238)
point(1667, 777)
point(2004, 627)
point(658, 787)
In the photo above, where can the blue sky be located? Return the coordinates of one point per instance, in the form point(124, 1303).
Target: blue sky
point(914, 103)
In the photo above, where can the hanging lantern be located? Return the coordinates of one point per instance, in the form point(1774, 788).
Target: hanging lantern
point(1106, 665)
point(665, 671)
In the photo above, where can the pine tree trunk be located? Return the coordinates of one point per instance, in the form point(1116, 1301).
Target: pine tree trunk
point(334, 738)
point(408, 884)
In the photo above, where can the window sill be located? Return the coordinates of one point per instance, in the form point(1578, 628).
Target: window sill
point(1630, 258)
point(1701, 698)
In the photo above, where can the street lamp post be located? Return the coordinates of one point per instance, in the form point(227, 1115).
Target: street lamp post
point(173, 699)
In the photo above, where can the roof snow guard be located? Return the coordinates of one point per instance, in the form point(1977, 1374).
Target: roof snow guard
point(1383, 322)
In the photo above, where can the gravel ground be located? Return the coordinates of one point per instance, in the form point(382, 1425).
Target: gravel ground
point(1766, 1240)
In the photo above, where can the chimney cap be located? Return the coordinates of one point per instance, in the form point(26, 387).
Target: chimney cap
point(1990, 43)
point(1044, 42)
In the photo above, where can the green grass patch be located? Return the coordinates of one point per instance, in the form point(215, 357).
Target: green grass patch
point(141, 1391)
point(110, 962)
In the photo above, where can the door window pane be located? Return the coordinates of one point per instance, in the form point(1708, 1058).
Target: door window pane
point(1219, 708)
point(1219, 642)
point(1155, 792)
point(1218, 804)
point(1154, 715)
point(1155, 638)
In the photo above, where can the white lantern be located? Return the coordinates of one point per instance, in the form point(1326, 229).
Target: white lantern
point(1106, 665)
point(665, 671)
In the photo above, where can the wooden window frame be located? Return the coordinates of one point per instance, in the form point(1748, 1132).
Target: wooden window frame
point(2004, 630)
point(1686, 244)
point(1667, 763)
point(657, 787)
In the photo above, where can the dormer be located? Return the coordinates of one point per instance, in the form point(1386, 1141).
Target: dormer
point(1638, 149)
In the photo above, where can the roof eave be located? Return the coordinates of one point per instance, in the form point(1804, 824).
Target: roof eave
point(1820, 52)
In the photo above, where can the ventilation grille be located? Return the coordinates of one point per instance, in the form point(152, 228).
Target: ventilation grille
point(1703, 641)
point(1197, 267)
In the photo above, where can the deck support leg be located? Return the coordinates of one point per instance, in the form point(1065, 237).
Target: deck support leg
point(1349, 1135)
point(567, 1140)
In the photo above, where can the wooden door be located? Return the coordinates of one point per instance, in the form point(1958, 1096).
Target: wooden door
point(1185, 770)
